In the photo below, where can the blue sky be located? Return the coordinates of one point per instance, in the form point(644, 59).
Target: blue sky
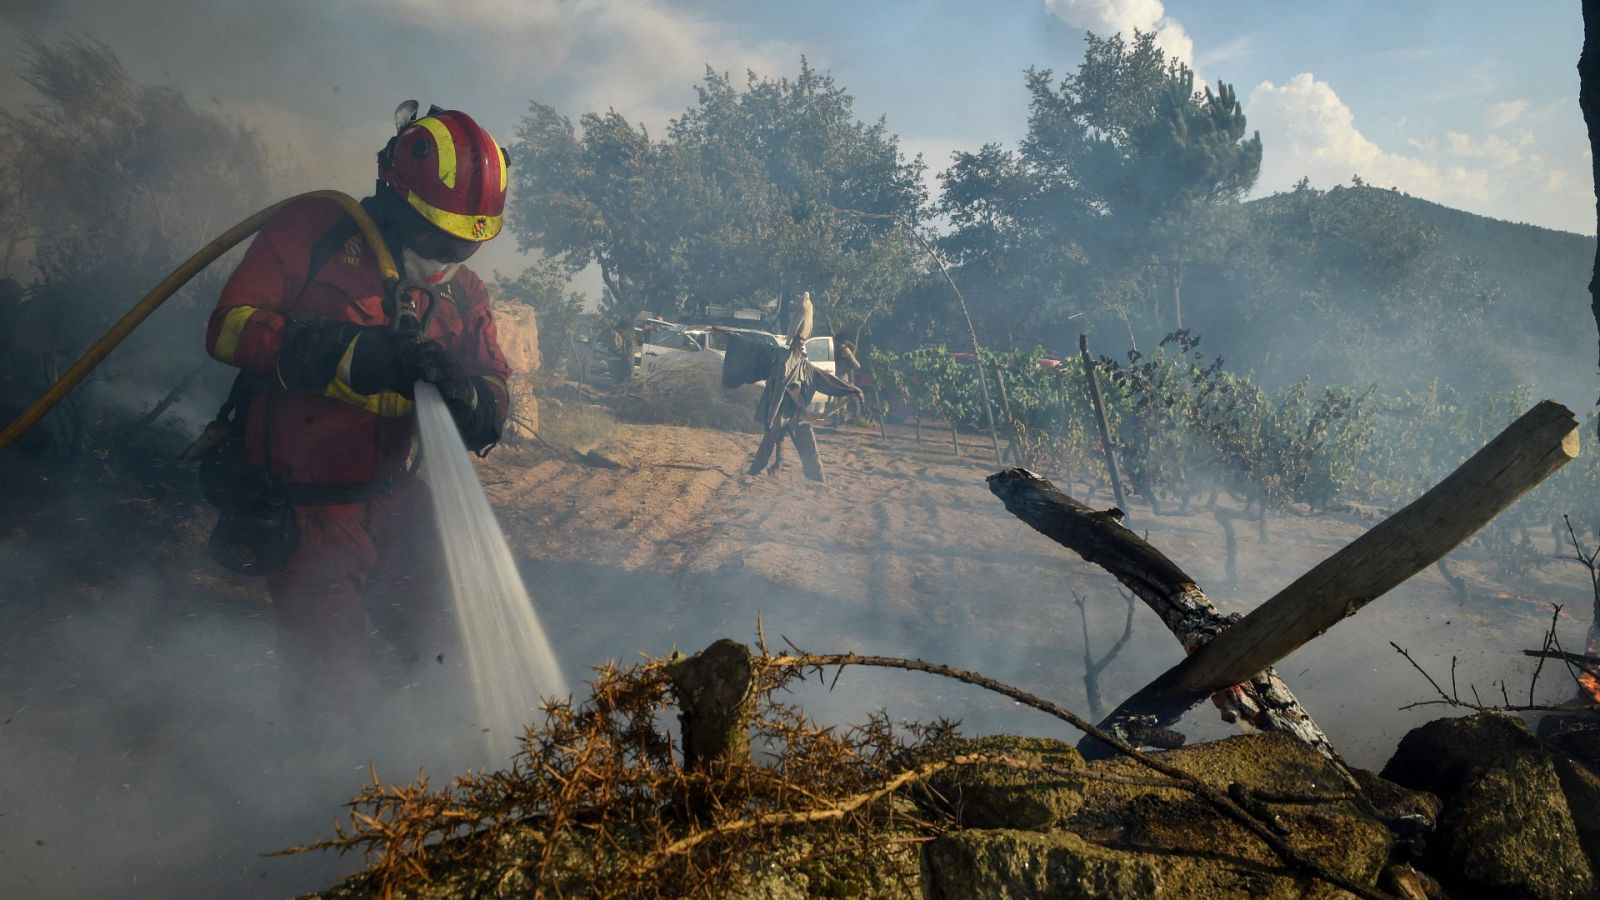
point(1470, 104)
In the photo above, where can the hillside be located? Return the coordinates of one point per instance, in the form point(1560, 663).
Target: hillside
point(1360, 284)
point(1540, 271)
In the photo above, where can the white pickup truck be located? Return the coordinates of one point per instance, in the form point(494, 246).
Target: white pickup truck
point(671, 344)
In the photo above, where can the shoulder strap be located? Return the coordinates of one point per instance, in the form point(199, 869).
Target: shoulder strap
point(324, 249)
point(246, 383)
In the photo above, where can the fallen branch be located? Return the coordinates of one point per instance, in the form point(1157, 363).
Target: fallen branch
point(178, 390)
point(1576, 663)
point(1584, 661)
point(1528, 451)
point(1264, 702)
point(1477, 705)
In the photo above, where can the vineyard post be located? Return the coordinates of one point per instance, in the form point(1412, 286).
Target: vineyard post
point(1100, 419)
point(1061, 400)
point(972, 333)
point(1014, 444)
point(977, 355)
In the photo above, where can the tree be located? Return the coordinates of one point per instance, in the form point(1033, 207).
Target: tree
point(1124, 169)
point(1360, 285)
point(113, 182)
point(107, 185)
point(752, 194)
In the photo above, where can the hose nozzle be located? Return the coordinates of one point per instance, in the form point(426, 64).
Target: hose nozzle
point(401, 306)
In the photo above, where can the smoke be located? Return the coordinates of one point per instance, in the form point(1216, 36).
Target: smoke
point(147, 751)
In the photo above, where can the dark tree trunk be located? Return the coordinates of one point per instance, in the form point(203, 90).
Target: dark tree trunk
point(1589, 102)
point(715, 690)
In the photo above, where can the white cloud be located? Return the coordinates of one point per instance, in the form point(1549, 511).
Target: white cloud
point(1503, 114)
point(1493, 150)
point(1108, 17)
point(1306, 130)
point(1235, 48)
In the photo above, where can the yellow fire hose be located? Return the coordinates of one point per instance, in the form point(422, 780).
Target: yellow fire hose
point(170, 285)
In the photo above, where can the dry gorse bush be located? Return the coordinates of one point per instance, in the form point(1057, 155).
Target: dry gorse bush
point(598, 802)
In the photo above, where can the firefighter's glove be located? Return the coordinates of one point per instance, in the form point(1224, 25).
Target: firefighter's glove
point(429, 361)
point(470, 401)
point(317, 352)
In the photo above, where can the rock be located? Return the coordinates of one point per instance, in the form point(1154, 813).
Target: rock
point(517, 327)
point(1125, 839)
point(804, 865)
point(1576, 735)
point(1009, 864)
point(1001, 797)
point(1508, 827)
point(1203, 854)
point(1581, 786)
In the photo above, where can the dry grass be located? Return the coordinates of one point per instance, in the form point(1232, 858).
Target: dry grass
point(688, 393)
point(579, 427)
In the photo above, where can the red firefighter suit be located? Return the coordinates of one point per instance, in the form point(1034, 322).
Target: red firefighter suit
point(366, 533)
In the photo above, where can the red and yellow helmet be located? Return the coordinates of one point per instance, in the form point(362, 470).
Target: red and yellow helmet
point(448, 169)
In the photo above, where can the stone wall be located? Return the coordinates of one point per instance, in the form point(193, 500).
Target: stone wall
point(518, 328)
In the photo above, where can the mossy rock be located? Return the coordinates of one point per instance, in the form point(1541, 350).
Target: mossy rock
point(806, 866)
point(1508, 827)
point(1014, 864)
point(1000, 796)
point(1204, 854)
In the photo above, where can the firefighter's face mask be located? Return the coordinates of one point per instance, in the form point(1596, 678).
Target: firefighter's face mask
point(430, 255)
point(427, 271)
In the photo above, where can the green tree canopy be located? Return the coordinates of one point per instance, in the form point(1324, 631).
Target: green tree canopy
point(753, 193)
point(1125, 170)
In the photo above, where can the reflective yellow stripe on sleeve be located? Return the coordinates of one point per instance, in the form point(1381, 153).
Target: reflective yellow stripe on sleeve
point(232, 328)
point(384, 403)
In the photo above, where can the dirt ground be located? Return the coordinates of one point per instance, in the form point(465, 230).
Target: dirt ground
point(905, 552)
point(141, 740)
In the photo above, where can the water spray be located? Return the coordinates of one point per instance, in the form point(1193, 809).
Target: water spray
point(509, 659)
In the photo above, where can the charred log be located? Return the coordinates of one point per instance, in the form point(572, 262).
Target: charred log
point(1263, 701)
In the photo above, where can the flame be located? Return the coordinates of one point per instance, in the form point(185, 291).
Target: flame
point(1590, 684)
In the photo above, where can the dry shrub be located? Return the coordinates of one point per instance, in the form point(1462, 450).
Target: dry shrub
point(688, 393)
point(580, 427)
point(598, 804)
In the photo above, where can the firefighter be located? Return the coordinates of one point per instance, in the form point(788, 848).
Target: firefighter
point(326, 396)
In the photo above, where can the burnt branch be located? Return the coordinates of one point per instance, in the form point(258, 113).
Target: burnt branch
point(1092, 667)
point(1264, 702)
